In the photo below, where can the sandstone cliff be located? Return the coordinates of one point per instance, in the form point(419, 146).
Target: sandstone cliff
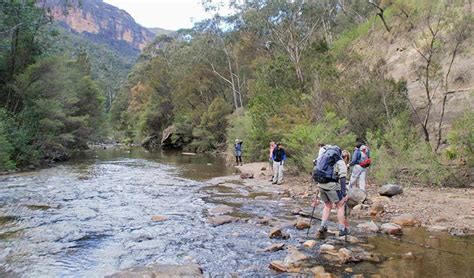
point(100, 22)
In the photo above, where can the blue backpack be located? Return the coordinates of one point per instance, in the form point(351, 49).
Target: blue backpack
point(323, 172)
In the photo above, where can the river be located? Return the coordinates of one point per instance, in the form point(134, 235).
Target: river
point(92, 216)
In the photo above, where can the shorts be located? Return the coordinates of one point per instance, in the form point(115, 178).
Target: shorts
point(330, 196)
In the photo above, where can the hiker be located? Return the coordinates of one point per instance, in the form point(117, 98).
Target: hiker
point(270, 156)
point(238, 152)
point(278, 157)
point(360, 161)
point(331, 174)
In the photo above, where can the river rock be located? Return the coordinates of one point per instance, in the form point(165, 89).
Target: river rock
point(408, 256)
point(390, 190)
point(324, 275)
point(377, 209)
point(368, 227)
point(310, 243)
point(275, 247)
point(391, 229)
point(222, 209)
point(278, 233)
point(295, 258)
point(302, 224)
point(327, 248)
point(158, 218)
point(221, 220)
point(246, 176)
point(345, 255)
point(356, 196)
point(317, 270)
point(372, 257)
point(406, 220)
point(278, 266)
point(158, 270)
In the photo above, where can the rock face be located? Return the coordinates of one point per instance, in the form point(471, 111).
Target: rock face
point(99, 22)
point(390, 190)
point(157, 270)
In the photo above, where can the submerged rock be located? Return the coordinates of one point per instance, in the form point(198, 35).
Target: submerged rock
point(158, 218)
point(222, 209)
point(390, 190)
point(158, 270)
point(221, 220)
point(275, 247)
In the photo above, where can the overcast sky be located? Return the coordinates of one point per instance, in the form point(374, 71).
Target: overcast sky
point(167, 14)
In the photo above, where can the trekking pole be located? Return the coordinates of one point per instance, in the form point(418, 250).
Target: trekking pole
point(315, 203)
point(346, 222)
point(310, 221)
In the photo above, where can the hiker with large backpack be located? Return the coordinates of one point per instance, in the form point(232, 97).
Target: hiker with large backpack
point(360, 161)
point(330, 173)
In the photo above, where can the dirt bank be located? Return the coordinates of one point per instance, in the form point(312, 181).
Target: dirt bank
point(437, 209)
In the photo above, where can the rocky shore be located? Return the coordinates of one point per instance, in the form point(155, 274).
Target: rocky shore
point(436, 209)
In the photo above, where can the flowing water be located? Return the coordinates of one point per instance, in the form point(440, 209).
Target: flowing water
point(92, 217)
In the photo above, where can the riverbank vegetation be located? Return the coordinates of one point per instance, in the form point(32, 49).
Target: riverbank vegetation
point(303, 72)
point(49, 104)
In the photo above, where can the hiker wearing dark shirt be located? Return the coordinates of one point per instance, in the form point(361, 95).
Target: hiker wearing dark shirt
point(279, 157)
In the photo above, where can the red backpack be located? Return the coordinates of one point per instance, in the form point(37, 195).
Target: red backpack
point(365, 157)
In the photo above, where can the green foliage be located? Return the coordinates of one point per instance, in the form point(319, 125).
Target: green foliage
point(302, 140)
point(401, 156)
point(6, 147)
point(461, 140)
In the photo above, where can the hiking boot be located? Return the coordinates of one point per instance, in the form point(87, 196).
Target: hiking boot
point(344, 232)
point(322, 232)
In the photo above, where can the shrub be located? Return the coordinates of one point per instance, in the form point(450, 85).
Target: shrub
point(302, 140)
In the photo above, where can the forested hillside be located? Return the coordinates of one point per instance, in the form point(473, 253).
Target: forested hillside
point(393, 73)
point(49, 103)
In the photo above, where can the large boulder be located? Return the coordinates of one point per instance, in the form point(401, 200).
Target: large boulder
point(151, 142)
point(221, 209)
point(390, 190)
point(356, 196)
point(160, 270)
